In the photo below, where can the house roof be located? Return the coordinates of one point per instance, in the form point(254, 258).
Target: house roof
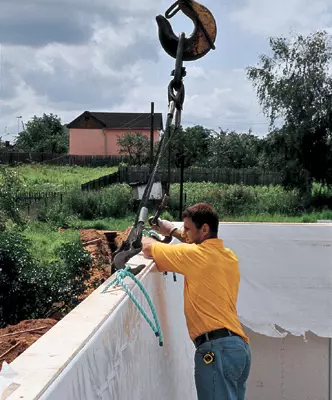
point(116, 120)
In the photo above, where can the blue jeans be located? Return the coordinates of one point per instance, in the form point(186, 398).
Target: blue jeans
point(226, 376)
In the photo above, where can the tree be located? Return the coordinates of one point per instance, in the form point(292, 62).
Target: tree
point(44, 134)
point(294, 88)
point(136, 146)
point(192, 143)
point(235, 150)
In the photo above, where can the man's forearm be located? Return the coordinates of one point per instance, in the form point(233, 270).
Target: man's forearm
point(179, 235)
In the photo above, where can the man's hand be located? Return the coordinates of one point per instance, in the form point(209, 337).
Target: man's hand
point(147, 246)
point(164, 227)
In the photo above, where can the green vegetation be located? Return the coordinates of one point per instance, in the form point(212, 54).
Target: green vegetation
point(44, 134)
point(251, 202)
point(30, 286)
point(45, 178)
point(44, 240)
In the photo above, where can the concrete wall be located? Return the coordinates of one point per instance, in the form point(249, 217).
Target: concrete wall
point(99, 142)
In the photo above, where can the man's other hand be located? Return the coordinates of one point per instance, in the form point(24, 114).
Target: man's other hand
point(147, 246)
point(164, 227)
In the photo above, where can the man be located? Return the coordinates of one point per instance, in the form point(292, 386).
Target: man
point(223, 357)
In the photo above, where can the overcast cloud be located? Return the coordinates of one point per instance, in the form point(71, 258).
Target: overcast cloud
point(68, 56)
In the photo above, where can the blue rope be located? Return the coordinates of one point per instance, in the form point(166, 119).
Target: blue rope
point(152, 233)
point(119, 281)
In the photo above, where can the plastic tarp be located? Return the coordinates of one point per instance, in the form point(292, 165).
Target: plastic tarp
point(286, 277)
point(123, 361)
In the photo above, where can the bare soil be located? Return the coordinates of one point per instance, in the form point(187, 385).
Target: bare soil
point(19, 340)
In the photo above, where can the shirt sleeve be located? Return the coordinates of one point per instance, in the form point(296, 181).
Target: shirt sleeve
point(172, 257)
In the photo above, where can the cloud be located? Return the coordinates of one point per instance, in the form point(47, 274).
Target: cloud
point(67, 56)
point(270, 18)
point(67, 79)
point(214, 98)
point(224, 98)
point(37, 23)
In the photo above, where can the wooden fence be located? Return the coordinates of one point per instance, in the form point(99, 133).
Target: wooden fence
point(249, 177)
point(30, 197)
point(56, 159)
point(101, 182)
point(131, 175)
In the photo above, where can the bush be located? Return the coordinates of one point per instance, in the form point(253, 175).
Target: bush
point(65, 279)
point(15, 260)
point(112, 202)
point(321, 197)
point(10, 187)
point(277, 200)
point(237, 200)
point(28, 289)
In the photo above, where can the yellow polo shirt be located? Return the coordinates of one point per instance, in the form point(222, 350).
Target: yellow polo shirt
point(212, 279)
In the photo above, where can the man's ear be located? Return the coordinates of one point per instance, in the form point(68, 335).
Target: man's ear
point(205, 228)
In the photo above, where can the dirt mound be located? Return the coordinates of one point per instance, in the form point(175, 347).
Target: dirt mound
point(14, 340)
point(100, 245)
point(96, 243)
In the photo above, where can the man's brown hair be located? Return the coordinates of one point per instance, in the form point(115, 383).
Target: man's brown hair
point(203, 213)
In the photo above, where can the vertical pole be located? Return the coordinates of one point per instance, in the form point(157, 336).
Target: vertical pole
point(152, 136)
point(169, 164)
point(330, 369)
point(181, 187)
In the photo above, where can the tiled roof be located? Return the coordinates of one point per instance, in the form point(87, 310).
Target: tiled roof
point(116, 120)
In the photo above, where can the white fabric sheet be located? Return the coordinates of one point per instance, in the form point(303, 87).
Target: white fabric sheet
point(286, 277)
point(124, 360)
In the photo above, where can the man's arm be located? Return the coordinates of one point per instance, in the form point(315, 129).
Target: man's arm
point(167, 228)
point(179, 235)
point(169, 257)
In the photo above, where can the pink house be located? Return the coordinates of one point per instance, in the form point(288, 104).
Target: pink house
point(96, 133)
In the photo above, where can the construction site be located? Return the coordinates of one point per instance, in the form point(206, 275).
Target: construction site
point(126, 337)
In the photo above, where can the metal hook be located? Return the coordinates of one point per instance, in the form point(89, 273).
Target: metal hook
point(201, 40)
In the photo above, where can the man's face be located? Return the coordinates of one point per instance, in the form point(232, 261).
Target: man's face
point(192, 234)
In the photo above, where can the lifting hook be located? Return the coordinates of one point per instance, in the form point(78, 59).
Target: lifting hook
point(201, 40)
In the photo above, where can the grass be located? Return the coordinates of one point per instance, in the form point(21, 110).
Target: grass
point(45, 178)
point(108, 224)
point(44, 240)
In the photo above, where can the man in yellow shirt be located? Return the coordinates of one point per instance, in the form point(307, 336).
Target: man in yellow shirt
point(212, 277)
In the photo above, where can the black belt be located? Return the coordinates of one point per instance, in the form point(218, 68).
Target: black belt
point(217, 334)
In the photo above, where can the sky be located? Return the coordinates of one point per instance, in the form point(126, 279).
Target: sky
point(68, 56)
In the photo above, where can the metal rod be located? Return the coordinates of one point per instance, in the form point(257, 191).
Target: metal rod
point(152, 136)
point(330, 369)
point(178, 72)
point(181, 186)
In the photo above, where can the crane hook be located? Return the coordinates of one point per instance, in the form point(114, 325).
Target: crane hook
point(201, 40)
